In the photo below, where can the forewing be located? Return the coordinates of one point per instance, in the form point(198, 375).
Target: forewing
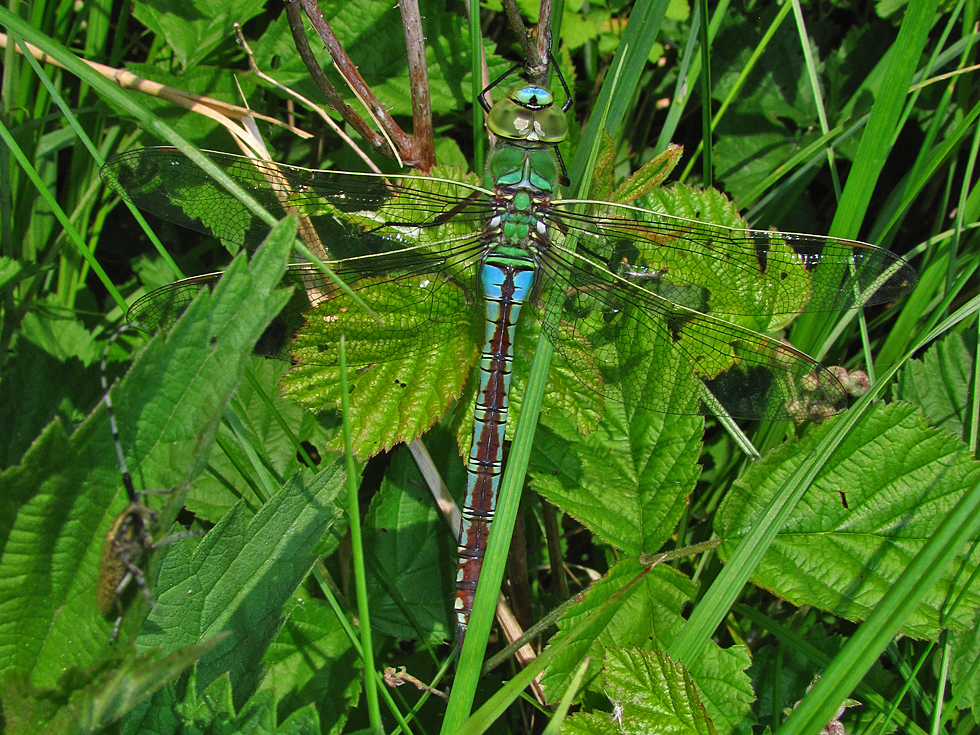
point(416, 301)
point(168, 184)
point(714, 268)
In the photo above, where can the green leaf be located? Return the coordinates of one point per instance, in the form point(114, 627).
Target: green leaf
point(197, 27)
point(312, 662)
point(940, 383)
point(650, 693)
point(46, 386)
point(396, 390)
point(230, 475)
point(600, 186)
point(444, 182)
point(241, 575)
point(729, 287)
point(58, 505)
point(574, 379)
point(650, 176)
point(899, 478)
point(156, 715)
point(62, 339)
point(411, 556)
point(88, 701)
point(649, 617)
point(628, 482)
point(13, 272)
point(214, 711)
point(964, 670)
point(391, 401)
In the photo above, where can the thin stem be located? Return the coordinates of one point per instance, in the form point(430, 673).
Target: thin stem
point(423, 144)
point(542, 49)
point(706, 174)
point(296, 27)
point(552, 532)
point(354, 517)
point(520, 30)
point(394, 142)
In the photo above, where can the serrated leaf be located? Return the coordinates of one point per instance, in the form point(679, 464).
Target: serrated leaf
point(574, 380)
point(60, 502)
point(650, 176)
point(600, 186)
point(940, 383)
point(90, 701)
point(301, 722)
point(899, 478)
point(592, 723)
point(155, 716)
point(391, 401)
point(650, 693)
point(69, 340)
point(239, 578)
point(410, 554)
point(628, 481)
point(733, 287)
point(649, 616)
point(312, 663)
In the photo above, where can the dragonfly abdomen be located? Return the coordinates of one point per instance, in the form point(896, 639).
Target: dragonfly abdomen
point(506, 282)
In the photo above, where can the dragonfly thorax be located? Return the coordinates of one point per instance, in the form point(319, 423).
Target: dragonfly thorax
point(515, 167)
point(524, 179)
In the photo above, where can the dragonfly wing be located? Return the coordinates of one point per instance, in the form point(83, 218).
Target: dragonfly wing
point(668, 358)
point(167, 183)
point(415, 306)
point(417, 302)
point(712, 268)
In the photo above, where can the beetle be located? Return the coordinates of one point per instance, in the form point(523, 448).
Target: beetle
point(130, 536)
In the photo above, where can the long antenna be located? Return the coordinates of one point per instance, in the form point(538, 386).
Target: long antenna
point(127, 479)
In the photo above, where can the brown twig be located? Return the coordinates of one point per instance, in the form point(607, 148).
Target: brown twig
point(542, 55)
point(395, 678)
point(422, 135)
point(294, 95)
point(536, 44)
point(375, 140)
point(392, 141)
point(517, 26)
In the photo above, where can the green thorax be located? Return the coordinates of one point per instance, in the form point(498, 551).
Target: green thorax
point(524, 180)
point(522, 169)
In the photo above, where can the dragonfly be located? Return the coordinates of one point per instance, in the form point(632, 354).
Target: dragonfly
point(643, 305)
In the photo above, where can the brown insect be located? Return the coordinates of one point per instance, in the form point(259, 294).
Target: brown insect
point(130, 535)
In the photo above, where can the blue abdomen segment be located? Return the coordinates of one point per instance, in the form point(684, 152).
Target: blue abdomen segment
point(506, 284)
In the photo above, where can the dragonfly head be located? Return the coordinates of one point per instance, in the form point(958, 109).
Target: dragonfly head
point(528, 113)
